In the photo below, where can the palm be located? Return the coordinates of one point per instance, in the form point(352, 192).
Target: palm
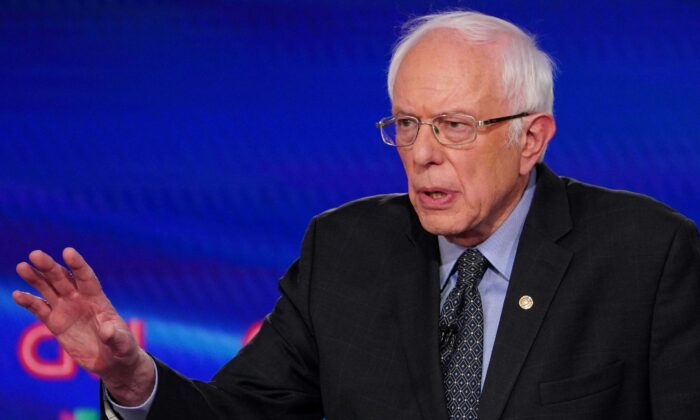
point(77, 312)
point(76, 324)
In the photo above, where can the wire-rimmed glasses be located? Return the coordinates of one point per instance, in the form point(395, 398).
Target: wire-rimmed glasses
point(452, 130)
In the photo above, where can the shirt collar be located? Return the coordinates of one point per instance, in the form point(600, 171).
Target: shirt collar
point(499, 248)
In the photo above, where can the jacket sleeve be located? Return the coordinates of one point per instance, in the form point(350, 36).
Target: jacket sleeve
point(675, 331)
point(274, 377)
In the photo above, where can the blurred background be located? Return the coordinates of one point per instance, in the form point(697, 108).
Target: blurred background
point(183, 146)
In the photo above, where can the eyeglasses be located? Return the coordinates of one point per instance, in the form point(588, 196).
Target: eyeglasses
point(452, 130)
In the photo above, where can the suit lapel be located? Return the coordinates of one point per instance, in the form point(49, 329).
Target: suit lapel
point(538, 269)
point(418, 303)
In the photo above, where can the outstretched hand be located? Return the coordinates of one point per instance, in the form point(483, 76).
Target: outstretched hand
point(81, 317)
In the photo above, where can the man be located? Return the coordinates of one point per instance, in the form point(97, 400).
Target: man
point(494, 289)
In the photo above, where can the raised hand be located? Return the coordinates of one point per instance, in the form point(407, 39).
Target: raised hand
point(86, 325)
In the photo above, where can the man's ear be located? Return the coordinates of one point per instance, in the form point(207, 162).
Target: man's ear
point(538, 130)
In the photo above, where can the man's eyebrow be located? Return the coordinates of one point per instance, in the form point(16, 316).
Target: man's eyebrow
point(397, 111)
point(457, 111)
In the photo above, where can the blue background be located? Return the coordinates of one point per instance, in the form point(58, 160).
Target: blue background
point(182, 147)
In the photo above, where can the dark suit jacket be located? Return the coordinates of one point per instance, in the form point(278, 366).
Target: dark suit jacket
point(614, 331)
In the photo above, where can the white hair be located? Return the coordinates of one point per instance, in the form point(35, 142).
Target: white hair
point(526, 77)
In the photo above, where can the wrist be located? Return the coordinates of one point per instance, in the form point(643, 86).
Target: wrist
point(133, 388)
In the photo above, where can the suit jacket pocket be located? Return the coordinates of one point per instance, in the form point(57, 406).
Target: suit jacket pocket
point(582, 386)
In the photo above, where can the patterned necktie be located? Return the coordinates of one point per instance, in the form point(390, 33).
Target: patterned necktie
point(462, 338)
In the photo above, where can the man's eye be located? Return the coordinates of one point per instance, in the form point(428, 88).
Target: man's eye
point(405, 122)
point(455, 125)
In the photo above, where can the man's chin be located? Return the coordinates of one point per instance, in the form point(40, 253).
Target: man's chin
point(460, 234)
point(438, 225)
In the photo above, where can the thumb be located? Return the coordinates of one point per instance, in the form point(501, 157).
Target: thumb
point(120, 340)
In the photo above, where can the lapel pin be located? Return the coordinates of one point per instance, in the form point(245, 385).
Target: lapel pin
point(526, 302)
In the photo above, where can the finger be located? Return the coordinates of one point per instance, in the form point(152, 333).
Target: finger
point(85, 279)
point(37, 280)
point(69, 275)
point(33, 304)
point(53, 272)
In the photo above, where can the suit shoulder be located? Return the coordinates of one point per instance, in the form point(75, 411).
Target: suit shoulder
point(590, 203)
point(386, 211)
point(376, 205)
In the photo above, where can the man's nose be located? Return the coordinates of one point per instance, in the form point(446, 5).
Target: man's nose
point(426, 149)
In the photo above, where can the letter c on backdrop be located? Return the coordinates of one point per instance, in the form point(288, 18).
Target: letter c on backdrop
point(62, 367)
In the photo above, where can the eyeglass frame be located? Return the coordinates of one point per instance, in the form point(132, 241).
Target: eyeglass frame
point(386, 121)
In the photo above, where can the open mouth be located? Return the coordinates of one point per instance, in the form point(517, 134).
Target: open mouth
point(435, 198)
point(435, 195)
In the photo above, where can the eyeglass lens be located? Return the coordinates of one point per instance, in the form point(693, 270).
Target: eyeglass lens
point(450, 129)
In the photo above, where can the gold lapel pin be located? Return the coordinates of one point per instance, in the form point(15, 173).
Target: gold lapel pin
point(526, 302)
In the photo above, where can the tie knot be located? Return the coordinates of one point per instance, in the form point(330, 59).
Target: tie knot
point(471, 267)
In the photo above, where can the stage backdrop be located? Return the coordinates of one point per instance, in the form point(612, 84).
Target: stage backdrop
point(183, 147)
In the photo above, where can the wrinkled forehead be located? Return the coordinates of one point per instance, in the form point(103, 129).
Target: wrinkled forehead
point(444, 67)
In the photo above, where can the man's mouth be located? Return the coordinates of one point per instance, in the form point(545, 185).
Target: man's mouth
point(435, 195)
point(433, 198)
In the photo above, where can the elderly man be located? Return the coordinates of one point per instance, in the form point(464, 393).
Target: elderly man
point(494, 289)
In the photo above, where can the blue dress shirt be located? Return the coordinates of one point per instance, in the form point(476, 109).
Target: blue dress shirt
point(499, 249)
